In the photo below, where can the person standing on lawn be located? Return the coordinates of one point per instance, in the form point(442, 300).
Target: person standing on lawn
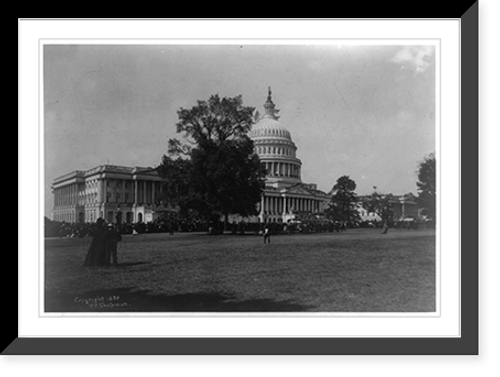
point(267, 235)
point(385, 228)
point(111, 238)
point(96, 255)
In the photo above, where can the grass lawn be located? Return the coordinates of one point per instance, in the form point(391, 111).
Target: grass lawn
point(355, 271)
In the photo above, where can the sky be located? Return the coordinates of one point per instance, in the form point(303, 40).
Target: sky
point(365, 111)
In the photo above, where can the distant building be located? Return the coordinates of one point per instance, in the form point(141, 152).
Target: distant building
point(115, 193)
point(404, 208)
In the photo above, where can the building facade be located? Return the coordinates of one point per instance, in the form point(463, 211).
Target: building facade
point(115, 193)
point(404, 208)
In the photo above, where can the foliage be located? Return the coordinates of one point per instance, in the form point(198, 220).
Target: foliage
point(227, 178)
point(215, 120)
point(176, 181)
point(342, 204)
point(427, 186)
point(218, 173)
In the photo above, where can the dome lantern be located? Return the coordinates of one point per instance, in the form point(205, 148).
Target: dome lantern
point(270, 107)
point(268, 125)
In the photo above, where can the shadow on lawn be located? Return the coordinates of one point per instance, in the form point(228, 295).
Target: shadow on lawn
point(127, 300)
point(130, 264)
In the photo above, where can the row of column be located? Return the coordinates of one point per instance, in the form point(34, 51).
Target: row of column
point(67, 195)
point(406, 210)
point(78, 194)
point(275, 204)
point(145, 191)
point(282, 169)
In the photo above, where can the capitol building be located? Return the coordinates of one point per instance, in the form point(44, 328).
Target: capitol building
point(132, 194)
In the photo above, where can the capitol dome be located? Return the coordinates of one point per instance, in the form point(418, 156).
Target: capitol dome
point(274, 146)
point(269, 127)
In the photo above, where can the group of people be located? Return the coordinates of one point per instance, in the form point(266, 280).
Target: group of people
point(103, 249)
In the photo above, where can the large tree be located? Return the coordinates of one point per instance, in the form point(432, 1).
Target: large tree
point(343, 205)
point(427, 186)
point(215, 120)
point(220, 172)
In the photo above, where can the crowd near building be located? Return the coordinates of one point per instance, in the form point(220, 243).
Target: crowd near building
point(132, 194)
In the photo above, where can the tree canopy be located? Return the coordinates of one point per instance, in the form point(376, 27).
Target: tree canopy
point(176, 173)
point(343, 205)
point(215, 120)
point(427, 186)
point(217, 172)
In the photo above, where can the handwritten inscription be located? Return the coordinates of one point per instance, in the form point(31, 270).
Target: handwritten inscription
point(101, 302)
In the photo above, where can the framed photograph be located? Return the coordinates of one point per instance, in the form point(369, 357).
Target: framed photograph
point(248, 186)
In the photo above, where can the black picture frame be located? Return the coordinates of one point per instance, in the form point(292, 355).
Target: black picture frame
point(466, 344)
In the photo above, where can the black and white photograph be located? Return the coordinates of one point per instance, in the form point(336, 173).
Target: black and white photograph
point(262, 178)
